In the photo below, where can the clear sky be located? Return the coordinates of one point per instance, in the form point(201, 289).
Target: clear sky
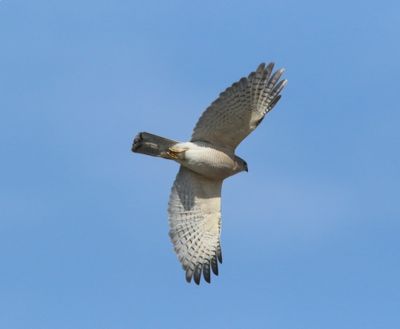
point(310, 235)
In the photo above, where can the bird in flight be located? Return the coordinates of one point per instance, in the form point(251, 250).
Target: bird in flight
point(194, 206)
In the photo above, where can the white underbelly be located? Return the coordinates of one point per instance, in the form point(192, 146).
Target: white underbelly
point(209, 162)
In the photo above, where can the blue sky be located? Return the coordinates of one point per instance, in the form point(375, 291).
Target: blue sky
point(310, 235)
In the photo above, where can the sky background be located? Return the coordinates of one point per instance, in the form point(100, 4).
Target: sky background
point(310, 235)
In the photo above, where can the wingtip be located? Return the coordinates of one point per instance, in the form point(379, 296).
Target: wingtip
point(188, 275)
point(260, 67)
point(270, 66)
point(197, 274)
point(203, 270)
point(214, 265)
point(206, 272)
point(284, 83)
point(219, 254)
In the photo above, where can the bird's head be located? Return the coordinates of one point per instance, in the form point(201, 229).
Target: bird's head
point(241, 165)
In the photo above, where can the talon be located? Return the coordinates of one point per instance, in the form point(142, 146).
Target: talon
point(176, 152)
point(172, 154)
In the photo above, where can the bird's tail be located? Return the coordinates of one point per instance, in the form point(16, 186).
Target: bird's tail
point(153, 145)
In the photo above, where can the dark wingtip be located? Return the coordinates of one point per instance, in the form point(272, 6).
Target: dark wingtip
point(219, 254)
point(197, 274)
point(214, 265)
point(269, 69)
point(188, 275)
point(203, 270)
point(206, 272)
point(260, 67)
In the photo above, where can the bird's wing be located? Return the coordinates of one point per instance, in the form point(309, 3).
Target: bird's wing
point(240, 108)
point(195, 223)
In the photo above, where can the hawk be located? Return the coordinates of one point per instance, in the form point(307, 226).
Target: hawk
point(195, 200)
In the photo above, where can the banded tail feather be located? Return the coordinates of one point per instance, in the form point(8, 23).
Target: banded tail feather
point(153, 145)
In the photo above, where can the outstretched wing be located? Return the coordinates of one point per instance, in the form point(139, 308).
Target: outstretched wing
point(240, 108)
point(195, 223)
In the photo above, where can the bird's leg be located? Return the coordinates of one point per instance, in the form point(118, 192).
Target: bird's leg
point(175, 152)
